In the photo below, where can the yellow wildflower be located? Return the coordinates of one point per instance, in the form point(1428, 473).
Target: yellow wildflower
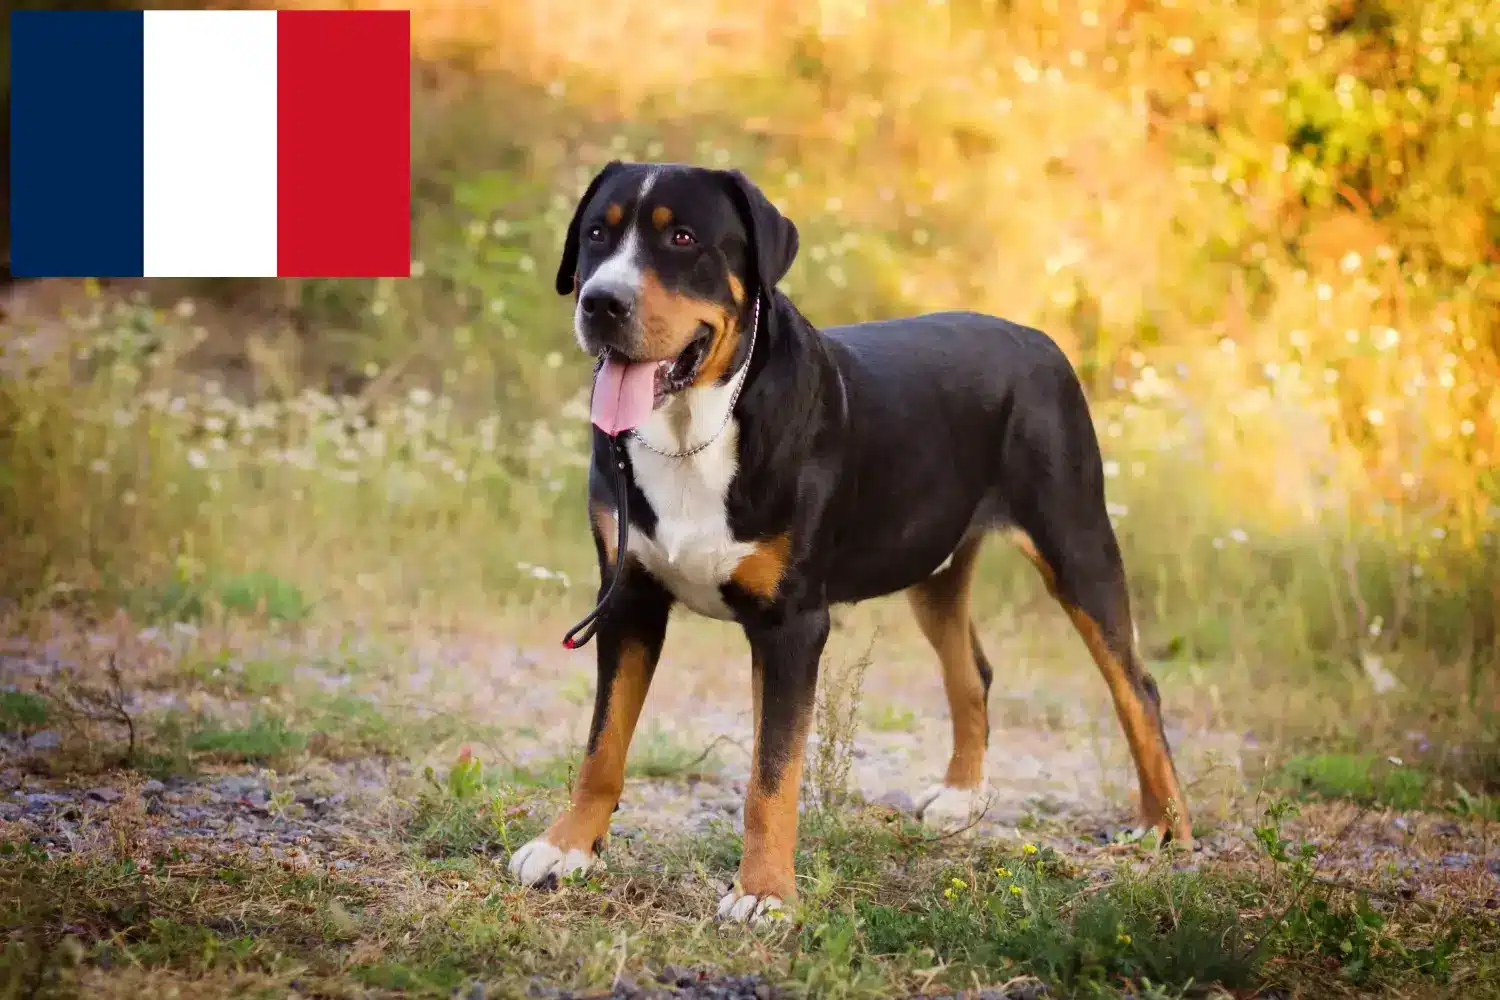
point(1028, 848)
point(1015, 890)
point(1003, 872)
point(1123, 938)
point(959, 883)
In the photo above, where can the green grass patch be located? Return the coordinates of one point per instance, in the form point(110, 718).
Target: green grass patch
point(22, 711)
point(255, 594)
point(252, 678)
point(335, 720)
point(264, 739)
point(1474, 805)
point(886, 718)
point(469, 810)
point(658, 753)
point(1171, 930)
point(1362, 778)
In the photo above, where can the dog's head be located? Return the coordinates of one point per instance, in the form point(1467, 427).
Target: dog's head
point(666, 262)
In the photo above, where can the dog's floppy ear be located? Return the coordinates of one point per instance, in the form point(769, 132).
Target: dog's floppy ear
point(568, 268)
point(773, 237)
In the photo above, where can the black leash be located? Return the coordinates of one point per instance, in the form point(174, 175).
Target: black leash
point(580, 634)
point(590, 623)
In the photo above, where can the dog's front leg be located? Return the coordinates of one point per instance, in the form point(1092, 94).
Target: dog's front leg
point(784, 657)
point(629, 642)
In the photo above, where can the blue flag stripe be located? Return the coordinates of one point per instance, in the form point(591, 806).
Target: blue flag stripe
point(76, 144)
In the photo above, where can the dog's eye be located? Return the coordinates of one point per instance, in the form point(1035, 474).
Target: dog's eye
point(683, 238)
point(595, 234)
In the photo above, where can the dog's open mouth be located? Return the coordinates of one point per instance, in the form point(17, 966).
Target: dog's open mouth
point(676, 374)
point(626, 391)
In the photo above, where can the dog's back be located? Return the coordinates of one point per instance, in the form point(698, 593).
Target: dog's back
point(940, 417)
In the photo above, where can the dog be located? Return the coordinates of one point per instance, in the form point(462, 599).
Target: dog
point(771, 470)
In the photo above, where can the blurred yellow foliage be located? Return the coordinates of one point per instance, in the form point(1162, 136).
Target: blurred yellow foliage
point(1265, 232)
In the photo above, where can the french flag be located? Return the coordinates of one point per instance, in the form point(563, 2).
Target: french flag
point(196, 143)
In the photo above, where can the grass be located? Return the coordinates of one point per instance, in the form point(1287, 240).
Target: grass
point(22, 712)
point(254, 594)
point(265, 739)
point(1358, 777)
point(890, 719)
point(1286, 901)
point(895, 911)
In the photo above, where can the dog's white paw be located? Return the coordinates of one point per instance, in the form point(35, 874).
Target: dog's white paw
point(741, 907)
point(539, 861)
point(943, 807)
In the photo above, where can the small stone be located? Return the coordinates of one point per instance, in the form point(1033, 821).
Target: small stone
point(343, 864)
point(898, 800)
point(47, 739)
point(153, 786)
point(154, 806)
point(236, 786)
point(42, 801)
point(104, 794)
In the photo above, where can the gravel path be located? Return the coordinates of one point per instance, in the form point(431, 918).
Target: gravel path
point(1055, 750)
point(1058, 768)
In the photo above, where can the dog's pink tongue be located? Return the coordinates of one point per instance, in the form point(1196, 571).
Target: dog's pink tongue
point(624, 395)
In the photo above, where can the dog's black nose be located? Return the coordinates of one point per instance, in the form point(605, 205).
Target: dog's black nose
point(606, 304)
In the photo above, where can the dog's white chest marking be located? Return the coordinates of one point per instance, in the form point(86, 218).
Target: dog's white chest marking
point(693, 552)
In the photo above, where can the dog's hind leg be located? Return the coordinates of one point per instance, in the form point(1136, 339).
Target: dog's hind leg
point(941, 605)
point(1064, 528)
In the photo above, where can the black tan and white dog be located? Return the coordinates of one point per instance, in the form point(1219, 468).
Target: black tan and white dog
point(771, 469)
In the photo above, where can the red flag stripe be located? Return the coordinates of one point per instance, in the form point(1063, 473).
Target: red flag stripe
point(343, 143)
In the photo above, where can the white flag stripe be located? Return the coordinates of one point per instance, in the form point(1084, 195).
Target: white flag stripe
point(210, 143)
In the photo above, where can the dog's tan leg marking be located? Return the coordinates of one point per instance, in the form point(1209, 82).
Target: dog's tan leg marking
point(942, 608)
point(1023, 541)
point(1141, 721)
point(601, 776)
point(767, 879)
point(1162, 804)
point(575, 838)
point(941, 604)
point(760, 572)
